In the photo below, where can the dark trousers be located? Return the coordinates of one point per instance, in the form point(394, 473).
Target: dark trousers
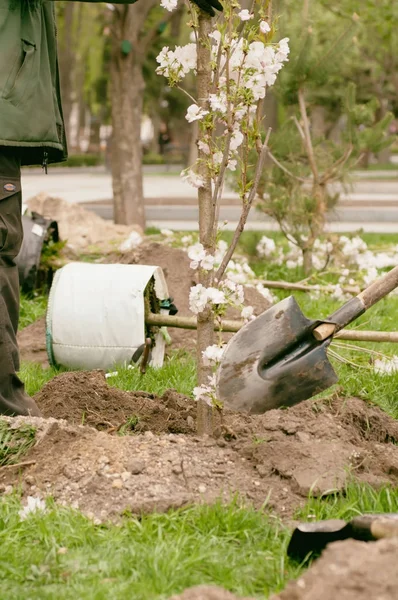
point(13, 398)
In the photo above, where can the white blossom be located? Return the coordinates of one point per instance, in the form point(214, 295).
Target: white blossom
point(265, 292)
point(186, 239)
point(199, 257)
point(207, 263)
point(195, 113)
point(234, 291)
point(167, 232)
point(169, 5)
point(215, 35)
point(197, 298)
point(247, 312)
point(132, 241)
point(338, 294)
point(245, 15)
point(204, 147)
point(386, 366)
point(218, 102)
point(264, 27)
point(203, 392)
point(33, 505)
point(236, 140)
point(371, 276)
point(212, 355)
point(215, 295)
point(217, 158)
point(196, 252)
point(179, 61)
point(192, 178)
point(266, 247)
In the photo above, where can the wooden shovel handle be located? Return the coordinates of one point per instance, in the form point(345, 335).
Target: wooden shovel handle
point(375, 292)
point(380, 288)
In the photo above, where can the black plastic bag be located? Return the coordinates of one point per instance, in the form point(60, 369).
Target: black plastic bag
point(38, 231)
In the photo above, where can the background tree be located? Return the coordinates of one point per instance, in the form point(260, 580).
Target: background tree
point(326, 130)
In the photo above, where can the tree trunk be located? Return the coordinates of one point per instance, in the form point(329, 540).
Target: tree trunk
point(205, 331)
point(67, 61)
point(307, 260)
point(193, 144)
point(127, 87)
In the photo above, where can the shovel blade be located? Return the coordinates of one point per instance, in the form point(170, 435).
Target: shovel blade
point(274, 361)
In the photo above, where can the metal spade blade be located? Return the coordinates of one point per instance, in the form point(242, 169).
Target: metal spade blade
point(280, 359)
point(274, 361)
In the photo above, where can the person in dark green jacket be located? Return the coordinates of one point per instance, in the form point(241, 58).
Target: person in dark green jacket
point(31, 132)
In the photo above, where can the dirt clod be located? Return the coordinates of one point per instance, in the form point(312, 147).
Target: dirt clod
point(79, 227)
point(349, 570)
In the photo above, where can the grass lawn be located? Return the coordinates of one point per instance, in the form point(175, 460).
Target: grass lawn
point(61, 554)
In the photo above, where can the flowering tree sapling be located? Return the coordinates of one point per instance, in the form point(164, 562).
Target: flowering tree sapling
point(234, 62)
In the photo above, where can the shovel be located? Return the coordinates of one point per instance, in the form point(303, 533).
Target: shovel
point(312, 538)
point(280, 358)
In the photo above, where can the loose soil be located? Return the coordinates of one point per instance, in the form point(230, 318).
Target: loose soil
point(349, 570)
point(278, 457)
point(32, 343)
point(79, 227)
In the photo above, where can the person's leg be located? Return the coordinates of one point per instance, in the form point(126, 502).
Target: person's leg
point(13, 398)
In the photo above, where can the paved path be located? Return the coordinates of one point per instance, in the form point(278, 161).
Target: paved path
point(170, 202)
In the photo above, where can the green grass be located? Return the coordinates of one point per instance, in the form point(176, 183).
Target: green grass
point(144, 559)
point(178, 372)
point(357, 500)
point(389, 166)
point(32, 309)
point(14, 443)
point(61, 554)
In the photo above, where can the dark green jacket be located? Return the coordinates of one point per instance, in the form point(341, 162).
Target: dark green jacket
point(30, 102)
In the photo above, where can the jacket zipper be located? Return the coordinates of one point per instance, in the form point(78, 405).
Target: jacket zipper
point(45, 162)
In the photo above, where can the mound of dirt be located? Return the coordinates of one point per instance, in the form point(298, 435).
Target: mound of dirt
point(349, 570)
point(180, 277)
point(80, 227)
point(85, 397)
point(279, 457)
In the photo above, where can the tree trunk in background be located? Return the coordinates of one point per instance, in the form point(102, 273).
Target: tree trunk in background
point(95, 140)
point(66, 53)
point(127, 88)
point(127, 100)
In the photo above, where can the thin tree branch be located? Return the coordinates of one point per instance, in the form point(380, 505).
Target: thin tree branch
point(283, 168)
point(245, 210)
point(307, 136)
